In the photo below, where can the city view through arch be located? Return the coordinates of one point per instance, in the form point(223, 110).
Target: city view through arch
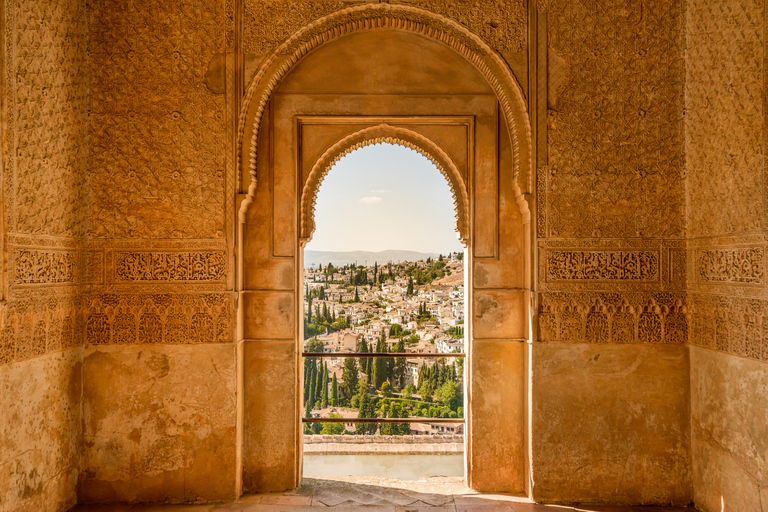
point(384, 273)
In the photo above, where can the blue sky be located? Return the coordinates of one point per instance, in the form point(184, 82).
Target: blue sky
point(382, 197)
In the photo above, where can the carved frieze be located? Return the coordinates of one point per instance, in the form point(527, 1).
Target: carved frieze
point(739, 265)
point(733, 325)
point(44, 266)
point(159, 318)
point(585, 317)
point(595, 265)
point(170, 266)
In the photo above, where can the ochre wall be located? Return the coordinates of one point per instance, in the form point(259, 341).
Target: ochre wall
point(610, 366)
point(725, 127)
point(44, 157)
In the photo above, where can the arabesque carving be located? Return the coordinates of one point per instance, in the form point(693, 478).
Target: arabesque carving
point(170, 266)
point(608, 317)
point(44, 266)
point(724, 116)
point(740, 265)
point(159, 318)
point(384, 133)
point(733, 325)
point(615, 120)
point(565, 265)
point(501, 23)
point(385, 15)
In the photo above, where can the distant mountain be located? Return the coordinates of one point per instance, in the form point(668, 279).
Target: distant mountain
point(362, 257)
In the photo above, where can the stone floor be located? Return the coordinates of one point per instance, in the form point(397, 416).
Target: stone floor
point(378, 495)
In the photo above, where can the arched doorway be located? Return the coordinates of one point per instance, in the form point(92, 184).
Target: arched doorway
point(398, 74)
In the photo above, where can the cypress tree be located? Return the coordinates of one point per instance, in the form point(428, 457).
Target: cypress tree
point(324, 394)
point(318, 385)
point(364, 361)
point(380, 366)
point(334, 392)
point(306, 379)
point(312, 383)
point(349, 378)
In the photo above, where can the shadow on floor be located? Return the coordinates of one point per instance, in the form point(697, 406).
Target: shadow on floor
point(432, 495)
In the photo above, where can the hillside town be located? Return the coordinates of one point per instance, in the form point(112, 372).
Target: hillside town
point(409, 307)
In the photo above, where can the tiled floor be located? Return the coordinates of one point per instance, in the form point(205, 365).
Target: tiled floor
point(378, 495)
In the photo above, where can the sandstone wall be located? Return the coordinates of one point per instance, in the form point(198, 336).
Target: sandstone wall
point(728, 296)
point(44, 157)
point(610, 367)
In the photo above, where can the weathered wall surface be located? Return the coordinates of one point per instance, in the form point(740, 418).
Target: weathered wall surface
point(44, 157)
point(729, 416)
point(158, 423)
point(40, 432)
point(728, 293)
point(611, 263)
point(615, 420)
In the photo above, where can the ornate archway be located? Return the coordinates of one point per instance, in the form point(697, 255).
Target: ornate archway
point(289, 138)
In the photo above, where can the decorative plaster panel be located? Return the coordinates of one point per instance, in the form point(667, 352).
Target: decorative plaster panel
point(159, 318)
point(157, 127)
point(724, 122)
point(615, 120)
point(566, 265)
point(46, 97)
point(741, 265)
point(734, 325)
point(170, 266)
point(605, 317)
point(44, 266)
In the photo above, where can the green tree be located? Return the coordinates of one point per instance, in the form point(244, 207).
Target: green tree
point(314, 346)
point(334, 392)
point(333, 429)
point(364, 361)
point(386, 390)
point(324, 394)
point(404, 429)
point(349, 377)
point(409, 390)
point(395, 331)
point(357, 297)
point(319, 386)
point(398, 371)
point(449, 394)
point(379, 366)
point(366, 410)
point(409, 289)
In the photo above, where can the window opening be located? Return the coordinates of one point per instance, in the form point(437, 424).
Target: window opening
point(383, 321)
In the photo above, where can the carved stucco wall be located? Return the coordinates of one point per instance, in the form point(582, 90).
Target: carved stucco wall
point(725, 131)
point(45, 149)
point(501, 23)
point(612, 308)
